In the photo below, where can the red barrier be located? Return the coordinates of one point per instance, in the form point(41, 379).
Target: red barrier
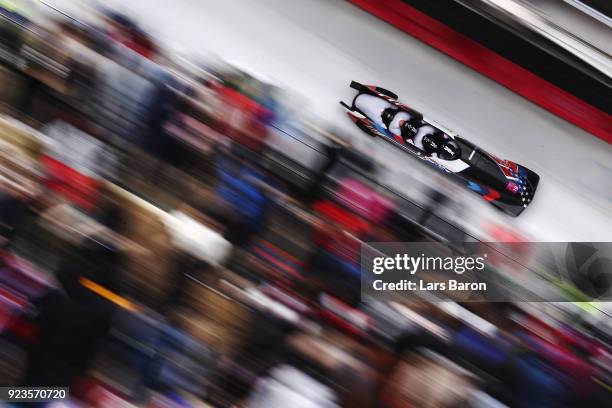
point(491, 64)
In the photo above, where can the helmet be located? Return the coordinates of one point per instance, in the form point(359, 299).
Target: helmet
point(388, 114)
point(432, 142)
point(449, 150)
point(441, 144)
point(409, 128)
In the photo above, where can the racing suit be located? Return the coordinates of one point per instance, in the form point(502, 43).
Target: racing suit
point(374, 106)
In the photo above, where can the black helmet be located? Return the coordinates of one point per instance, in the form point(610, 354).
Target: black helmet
point(409, 128)
point(449, 150)
point(388, 114)
point(432, 142)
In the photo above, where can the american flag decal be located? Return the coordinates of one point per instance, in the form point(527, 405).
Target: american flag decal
point(509, 168)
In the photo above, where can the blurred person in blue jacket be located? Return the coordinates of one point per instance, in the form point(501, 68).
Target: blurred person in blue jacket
point(180, 364)
point(240, 189)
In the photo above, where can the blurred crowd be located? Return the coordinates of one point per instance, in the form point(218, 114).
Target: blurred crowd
point(173, 235)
